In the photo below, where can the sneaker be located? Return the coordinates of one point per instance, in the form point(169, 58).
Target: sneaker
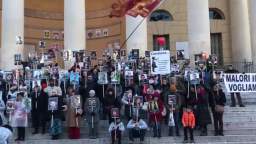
point(241, 105)
point(221, 134)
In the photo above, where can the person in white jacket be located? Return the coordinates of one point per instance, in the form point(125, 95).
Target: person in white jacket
point(137, 128)
point(116, 128)
point(5, 134)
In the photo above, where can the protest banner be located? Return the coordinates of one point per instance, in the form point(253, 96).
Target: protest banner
point(160, 62)
point(238, 82)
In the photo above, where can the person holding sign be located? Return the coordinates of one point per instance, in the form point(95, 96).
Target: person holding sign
point(19, 117)
point(35, 109)
point(137, 128)
point(202, 111)
point(56, 107)
point(73, 115)
point(173, 105)
point(116, 128)
point(92, 109)
point(156, 113)
point(110, 102)
point(127, 100)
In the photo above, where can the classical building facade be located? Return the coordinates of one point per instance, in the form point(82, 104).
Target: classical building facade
point(226, 28)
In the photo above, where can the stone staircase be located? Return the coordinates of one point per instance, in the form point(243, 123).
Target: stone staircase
point(239, 128)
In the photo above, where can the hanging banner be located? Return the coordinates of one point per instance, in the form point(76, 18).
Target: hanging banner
point(240, 82)
point(133, 7)
point(160, 62)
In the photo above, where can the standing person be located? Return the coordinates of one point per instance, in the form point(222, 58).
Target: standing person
point(92, 109)
point(73, 115)
point(202, 110)
point(137, 128)
point(238, 96)
point(19, 117)
point(127, 100)
point(6, 133)
point(35, 111)
point(2, 109)
point(42, 107)
point(56, 107)
point(188, 121)
point(110, 102)
point(3, 88)
point(156, 113)
point(116, 128)
point(217, 103)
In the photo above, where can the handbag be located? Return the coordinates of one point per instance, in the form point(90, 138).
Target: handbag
point(219, 108)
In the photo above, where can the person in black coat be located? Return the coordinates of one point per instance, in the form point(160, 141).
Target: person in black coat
point(39, 108)
point(217, 97)
point(110, 102)
point(3, 86)
point(238, 96)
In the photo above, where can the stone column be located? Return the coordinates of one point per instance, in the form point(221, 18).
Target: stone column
point(12, 26)
point(253, 28)
point(198, 27)
point(74, 27)
point(240, 29)
point(138, 40)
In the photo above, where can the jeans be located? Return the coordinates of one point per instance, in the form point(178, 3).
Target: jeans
point(157, 129)
point(218, 122)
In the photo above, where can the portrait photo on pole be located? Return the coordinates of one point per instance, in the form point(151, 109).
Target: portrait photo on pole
point(115, 113)
point(53, 103)
point(102, 78)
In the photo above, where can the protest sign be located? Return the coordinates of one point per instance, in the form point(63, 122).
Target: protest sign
point(53, 103)
point(240, 82)
point(102, 78)
point(160, 62)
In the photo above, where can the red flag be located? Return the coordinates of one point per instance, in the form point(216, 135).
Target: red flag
point(133, 7)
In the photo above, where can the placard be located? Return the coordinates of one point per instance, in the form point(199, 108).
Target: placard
point(76, 101)
point(160, 62)
point(102, 78)
point(115, 113)
point(182, 51)
point(53, 103)
point(240, 82)
point(138, 101)
point(135, 54)
point(115, 77)
point(171, 100)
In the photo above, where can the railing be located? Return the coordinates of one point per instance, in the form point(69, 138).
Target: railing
point(244, 67)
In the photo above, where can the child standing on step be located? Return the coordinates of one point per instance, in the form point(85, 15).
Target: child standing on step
point(188, 121)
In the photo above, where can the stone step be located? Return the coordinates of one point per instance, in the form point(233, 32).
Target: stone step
point(149, 140)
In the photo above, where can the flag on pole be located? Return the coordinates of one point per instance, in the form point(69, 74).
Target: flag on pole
point(133, 7)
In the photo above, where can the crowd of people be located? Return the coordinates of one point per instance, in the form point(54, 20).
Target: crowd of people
point(136, 105)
